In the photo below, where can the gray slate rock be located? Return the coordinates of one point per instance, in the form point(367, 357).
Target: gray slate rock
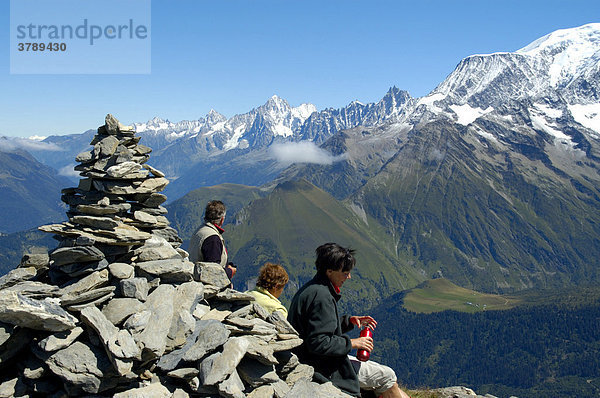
point(106, 147)
point(255, 373)
point(234, 295)
point(84, 157)
point(281, 389)
point(102, 210)
point(145, 218)
point(156, 248)
point(207, 337)
point(117, 342)
point(80, 365)
point(232, 387)
point(77, 254)
point(121, 270)
point(211, 335)
point(225, 363)
point(150, 200)
point(137, 322)
point(119, 309)
point(281, 323)
point(455, 392)
point(34, 289)
point(17, 275)
point(5, 332)
point(173, 270)
point(46, 314)
point(135, 288)
point(211, 274)
point(122, 169)
point(79, 269)
point(60, 340)
point(155, 172)
point(152, 185)
point(90, 295)
point(154, 390)
point(96, 222)
point(301, 372)
point(184, 373)
point(13, 388)
point(90, 282)
point(261, 350)
point(266, 391)
point(39, 261)
point(160, 305)
point(187, 295)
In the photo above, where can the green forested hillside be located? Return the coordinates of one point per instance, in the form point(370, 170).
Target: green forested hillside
point(289, 224)
point(533, 350)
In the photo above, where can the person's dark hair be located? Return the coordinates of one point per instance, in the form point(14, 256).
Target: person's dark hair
point(272, 276)
point(334, 257)
point(215, 210)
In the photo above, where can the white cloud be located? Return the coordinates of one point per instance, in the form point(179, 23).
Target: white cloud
point(68, 171)
point(303, 152)
point(13, 143)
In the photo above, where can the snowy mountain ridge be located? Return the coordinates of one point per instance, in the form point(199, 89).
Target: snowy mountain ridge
point(501, 88)
point(559, 74)
point(281, 118)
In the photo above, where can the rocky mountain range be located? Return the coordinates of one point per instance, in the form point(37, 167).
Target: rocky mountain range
point(215, 149)
point(491, 180)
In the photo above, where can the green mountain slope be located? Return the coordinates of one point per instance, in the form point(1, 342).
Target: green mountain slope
point(291, 222)
point(30, 192)
point(186, 213)
point(495, 218)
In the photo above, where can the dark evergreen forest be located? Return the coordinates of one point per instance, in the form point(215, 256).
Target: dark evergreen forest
point(537, 351)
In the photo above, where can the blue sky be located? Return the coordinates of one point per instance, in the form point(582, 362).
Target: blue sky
point(232, 56)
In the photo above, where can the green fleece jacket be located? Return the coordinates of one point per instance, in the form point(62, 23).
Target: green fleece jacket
point(314, 314)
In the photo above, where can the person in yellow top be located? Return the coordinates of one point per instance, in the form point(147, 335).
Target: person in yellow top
point(272, 278)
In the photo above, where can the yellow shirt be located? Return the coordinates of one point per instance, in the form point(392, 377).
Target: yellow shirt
point(267, 300)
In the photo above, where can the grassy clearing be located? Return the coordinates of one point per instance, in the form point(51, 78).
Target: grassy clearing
point(441, 294)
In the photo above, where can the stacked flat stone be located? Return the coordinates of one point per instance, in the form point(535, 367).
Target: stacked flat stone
point(118, 310)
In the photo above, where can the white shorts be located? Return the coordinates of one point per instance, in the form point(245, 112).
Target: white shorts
point(373, 376)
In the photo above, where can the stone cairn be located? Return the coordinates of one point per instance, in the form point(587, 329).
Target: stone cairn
point(117, 309)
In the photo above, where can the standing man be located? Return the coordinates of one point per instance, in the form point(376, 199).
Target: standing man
point(207, 243)
point(314, 314)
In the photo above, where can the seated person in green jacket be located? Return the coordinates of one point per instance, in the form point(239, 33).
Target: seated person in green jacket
point(272, 278)
point(314, 314)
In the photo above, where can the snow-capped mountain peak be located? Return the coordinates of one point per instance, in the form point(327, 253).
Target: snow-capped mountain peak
point(568, 51)
point(214, 117)
point(303, 111)
point(562, 63)
point(583, 36)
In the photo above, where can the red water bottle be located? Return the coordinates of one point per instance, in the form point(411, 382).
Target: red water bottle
point(364, 355)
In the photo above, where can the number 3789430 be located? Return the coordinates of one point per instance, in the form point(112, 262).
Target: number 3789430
point(42, 46)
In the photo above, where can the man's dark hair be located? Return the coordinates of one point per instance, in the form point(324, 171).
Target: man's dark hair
point(215, 210)
point(334, 257)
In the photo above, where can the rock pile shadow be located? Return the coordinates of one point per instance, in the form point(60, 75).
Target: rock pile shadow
point(117, 309)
